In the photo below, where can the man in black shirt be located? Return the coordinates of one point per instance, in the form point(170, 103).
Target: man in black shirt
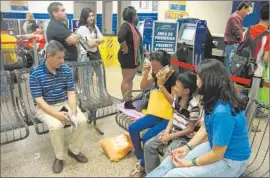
point(57, 30)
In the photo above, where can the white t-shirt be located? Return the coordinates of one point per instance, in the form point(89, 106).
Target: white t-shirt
point(85, 33)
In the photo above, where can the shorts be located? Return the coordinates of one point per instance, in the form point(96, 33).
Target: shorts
point(127, 61)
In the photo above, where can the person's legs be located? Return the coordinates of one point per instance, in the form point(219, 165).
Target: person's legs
point(177, 142)
point(56, 129)
point(127, 82)
point(229, 51)
point(101, 80)
point(138, 126)
point(166, 165)
point(162, 169)
point(222, 168)
point(155, 130)
point(85, 72)
point(77, 135)
point(151, 151)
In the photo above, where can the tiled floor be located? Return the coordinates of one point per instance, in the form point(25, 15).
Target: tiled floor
point(33, 157)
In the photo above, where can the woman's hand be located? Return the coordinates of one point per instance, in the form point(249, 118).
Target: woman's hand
point(124, 48)
point(147, 67)
point(181, 162)
point(180, 152)
point(92, 43)
point(163, 77)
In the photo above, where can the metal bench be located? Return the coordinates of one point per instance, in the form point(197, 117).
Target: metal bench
point(123, 120)
point(93, 94)
point(26, 104)
point(258, 117)
point(13, 127)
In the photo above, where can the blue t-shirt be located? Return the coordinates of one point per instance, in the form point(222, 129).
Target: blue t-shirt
point(224, 129)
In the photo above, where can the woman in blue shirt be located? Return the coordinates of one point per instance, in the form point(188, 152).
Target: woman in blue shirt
point(227, 150)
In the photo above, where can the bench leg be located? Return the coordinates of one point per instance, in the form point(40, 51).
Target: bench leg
point(92, 117)
point(97, 129)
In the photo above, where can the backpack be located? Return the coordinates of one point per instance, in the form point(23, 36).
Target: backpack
point(242, 62)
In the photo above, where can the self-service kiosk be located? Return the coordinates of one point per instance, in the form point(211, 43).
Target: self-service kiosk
point(191, 41)
point(145, 27)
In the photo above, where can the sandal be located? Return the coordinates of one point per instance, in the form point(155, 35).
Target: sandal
point(137, 172)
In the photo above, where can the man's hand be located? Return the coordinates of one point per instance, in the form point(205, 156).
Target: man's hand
point(63, 116)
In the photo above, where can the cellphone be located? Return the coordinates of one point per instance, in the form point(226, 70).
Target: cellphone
point(64, 109)
point(165, 69)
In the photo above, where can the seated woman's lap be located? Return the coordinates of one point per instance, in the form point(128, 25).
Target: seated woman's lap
point(167, 165)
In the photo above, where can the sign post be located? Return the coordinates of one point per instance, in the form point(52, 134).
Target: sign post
point(165, 35)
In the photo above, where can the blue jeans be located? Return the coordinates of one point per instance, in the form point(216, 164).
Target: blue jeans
point(155, 124)
point(88, 70)
point(222, 168)
point(229, 51)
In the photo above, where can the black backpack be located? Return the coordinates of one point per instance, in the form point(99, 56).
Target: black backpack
point(242, 62)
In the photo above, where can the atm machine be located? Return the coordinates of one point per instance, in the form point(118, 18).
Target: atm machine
point(191, 41)
point(145, 28)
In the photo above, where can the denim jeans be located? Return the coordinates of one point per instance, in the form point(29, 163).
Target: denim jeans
point(88, 70)
point(229, 51)
point(154, 146)
point(222, 168)
point(155, 125)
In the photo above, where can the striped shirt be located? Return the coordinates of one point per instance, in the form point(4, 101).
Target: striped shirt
point(52, 87)
point(182, 116)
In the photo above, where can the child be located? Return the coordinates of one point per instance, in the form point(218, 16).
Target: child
point(181, 128)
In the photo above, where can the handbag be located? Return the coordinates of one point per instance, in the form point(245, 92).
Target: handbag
point(159, 106)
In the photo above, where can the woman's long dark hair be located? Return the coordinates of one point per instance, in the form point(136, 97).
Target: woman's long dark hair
point(216, 85)
point(83, 19)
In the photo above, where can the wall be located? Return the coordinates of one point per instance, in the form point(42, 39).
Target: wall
point(216, 13)
point(38, 6)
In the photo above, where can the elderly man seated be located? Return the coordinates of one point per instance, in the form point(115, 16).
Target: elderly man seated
point(52, 88)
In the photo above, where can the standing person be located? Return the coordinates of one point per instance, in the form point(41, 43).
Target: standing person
point(52, 88)
point(181, 128)
point(234, 31)
point(261, 53)
point(130, 54)
point(57, 30)
point(227, 150)
point(29, 26)
point(89, 32)
point(37, 35)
